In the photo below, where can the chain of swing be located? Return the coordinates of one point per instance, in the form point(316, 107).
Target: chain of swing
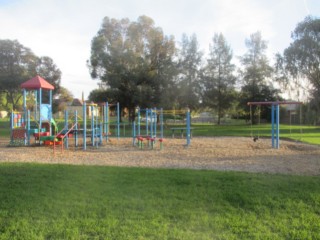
point(258, 110)
point(300, 122)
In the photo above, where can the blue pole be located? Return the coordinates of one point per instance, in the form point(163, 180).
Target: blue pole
point(24, 104)
point(161, 122)
point(138, 121)
point(50, 97)
point(50, 113)
point(12, 120)
point(188, 128)
point(272, 126)
point(66, 127)
point(11, 125)
point(76, 128)
point(40, 103)
point(84, 126)
point(133, 133)
point(28, 127)
point(278, 125)
point(151, 122)
point(92, 126)
point(105, 119)
point(24, 115)
point(118, 120)
point(147, 124)
point(100, 132)
point(36, 105)
point(98, 127)
point(155, 122)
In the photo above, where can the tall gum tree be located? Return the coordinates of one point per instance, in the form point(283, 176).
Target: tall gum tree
point(256, 75)
point(218, 77)
point(18, 64)
point(189, 65)
point(299, 65)
point(134, 60)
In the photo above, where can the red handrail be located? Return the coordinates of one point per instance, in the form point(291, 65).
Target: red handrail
point(62, 137)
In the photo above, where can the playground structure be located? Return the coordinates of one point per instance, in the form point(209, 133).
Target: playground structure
point(21, 128)
point(275, 119)
point(149, 130)
point(95, 125)
point(90, 127)
point(40, 124)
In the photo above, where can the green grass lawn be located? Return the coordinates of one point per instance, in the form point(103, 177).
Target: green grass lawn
point(308, 134)
point(88, 202)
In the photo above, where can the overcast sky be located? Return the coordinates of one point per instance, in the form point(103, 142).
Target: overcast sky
point(63, 29)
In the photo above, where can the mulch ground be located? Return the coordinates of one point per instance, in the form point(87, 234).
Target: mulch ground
point(221, 153)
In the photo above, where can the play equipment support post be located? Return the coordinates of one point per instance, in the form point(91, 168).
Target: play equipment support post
point(28, 127)
point(118, 121)
point(101, 133)
point(76, 135)
point(161, 123)
point(188, 127)
point(36, 104)
point(133, 133)
point(154, 121)
point(147, 122)
point(66, 129)
point(139, 118)
point(106, 121)
point(92, 126)
point(272, 126)
point(50, 113)
point(84, 126)
point(25, 104)
point(96, 125)
point(151, 124)
point(275, 125)
point(40, 101)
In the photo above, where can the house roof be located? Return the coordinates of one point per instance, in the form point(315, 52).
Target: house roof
point(37, 83)
point(76, 102)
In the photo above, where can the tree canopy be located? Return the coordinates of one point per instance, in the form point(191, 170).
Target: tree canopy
point(218, 77)
point(302, 58)
point(17, 65)
point(134, 59)
point(256, 74)
point(189, 65)
point(300, 62)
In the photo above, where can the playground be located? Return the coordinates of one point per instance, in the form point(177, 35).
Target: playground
point(85, 139)
point(220, 153)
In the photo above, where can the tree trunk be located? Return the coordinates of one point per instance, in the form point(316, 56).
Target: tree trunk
point(132, 114)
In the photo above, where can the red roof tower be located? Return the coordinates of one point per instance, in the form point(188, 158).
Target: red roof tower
point(37, 83)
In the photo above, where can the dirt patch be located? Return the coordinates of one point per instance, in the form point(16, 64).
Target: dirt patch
point(223, 153)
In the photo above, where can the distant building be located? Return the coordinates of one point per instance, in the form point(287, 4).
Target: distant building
point(76, 105)
point(3, 114)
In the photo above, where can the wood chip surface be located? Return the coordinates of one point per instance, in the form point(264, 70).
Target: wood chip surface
point(220, 153)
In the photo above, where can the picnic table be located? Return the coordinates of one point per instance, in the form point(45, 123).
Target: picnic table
point(181, 130)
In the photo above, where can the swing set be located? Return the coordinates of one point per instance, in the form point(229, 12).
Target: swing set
point(275, 119)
